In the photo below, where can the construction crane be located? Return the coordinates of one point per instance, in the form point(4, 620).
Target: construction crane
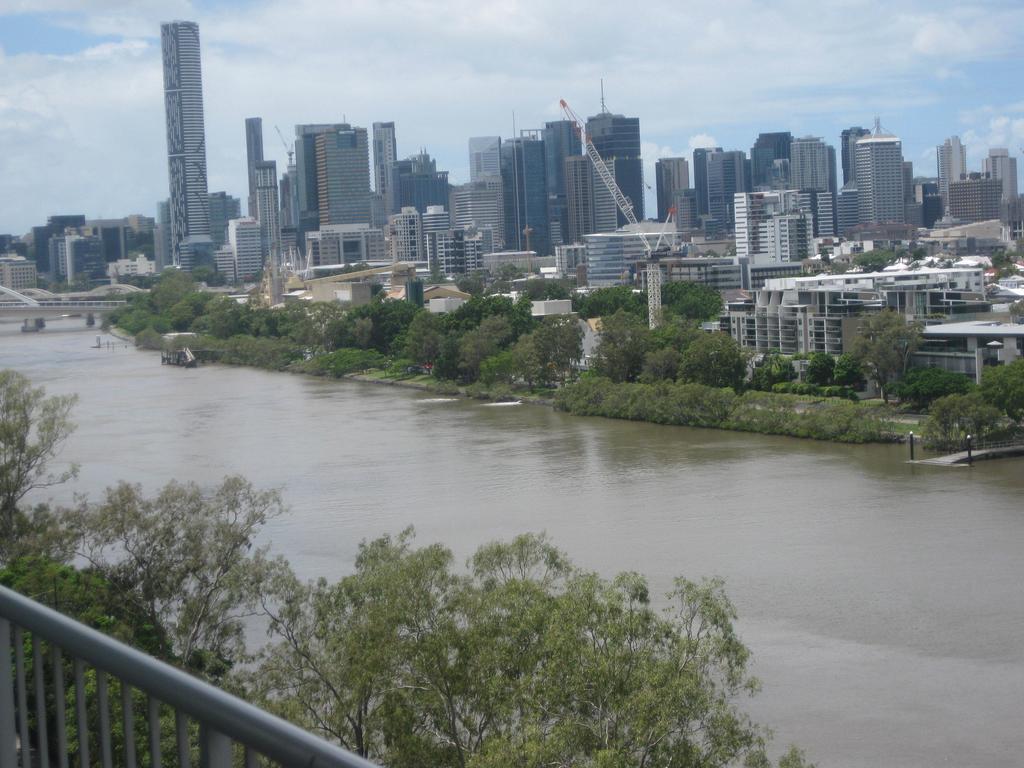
point(287, 147)
point(623, 203)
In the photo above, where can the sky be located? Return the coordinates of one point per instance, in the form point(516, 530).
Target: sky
point(81, 101)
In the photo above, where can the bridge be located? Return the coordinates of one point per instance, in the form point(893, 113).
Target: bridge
point(984, 450)
point(35, 303)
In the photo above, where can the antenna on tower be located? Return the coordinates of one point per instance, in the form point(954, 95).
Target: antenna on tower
point(604, 109)
point(878, 125)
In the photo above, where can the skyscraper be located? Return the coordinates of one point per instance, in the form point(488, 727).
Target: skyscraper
point(478, 204)
point(268, 208)
point(769, 148)
point(307, 187)
point(223, 208)
point(999, 165)
point(617, 140)
point(484, 157)
point(561, 140)
point(343, 176)
point(186, 143)
point(385, 152)
point(253, 155)
point(726, 175)
point(848, 142)
point(524, 191)
point(671, 175)
point(700, 177)
point(416, 182)
point(879, 169)
point(951, 159)
point(812, 165)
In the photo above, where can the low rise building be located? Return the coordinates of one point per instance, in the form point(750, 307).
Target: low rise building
point(970, 347)
point(17, 272)
point(140, 265)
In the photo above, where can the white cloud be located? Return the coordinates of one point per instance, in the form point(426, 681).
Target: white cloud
point(89, 132)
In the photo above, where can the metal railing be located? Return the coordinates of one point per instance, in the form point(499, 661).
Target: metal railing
point(32, 710)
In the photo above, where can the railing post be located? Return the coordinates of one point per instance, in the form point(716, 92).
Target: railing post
point(970, 455)
point(911, 446)
point(214, 748)
point(8, 748)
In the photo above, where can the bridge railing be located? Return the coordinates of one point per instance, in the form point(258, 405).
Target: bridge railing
point(34, 718)
point(51, 304)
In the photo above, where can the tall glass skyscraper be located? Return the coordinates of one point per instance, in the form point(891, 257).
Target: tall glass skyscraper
point(253, 155)
point(617, 140)
point(525, 193)
point(186, 144)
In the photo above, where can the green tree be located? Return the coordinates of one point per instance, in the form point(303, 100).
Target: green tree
point(874, 261)
point(524, 660)
point(1003, 386)
point(559, 346)
point(485, 340)
point(33, 428)
point(693, 301)
point(423, 338)
point(847, 371)
point(821, 369)
point(715, 360)
point(884, 346)
point(184, 559)
point(660, 365)
point(953, 417)
point(922, 386)
point(603, 302)
point(773, 369)
point(173, 286)
point(623, 344)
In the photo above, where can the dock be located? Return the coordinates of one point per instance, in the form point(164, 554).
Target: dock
point(181, 357)
point(966, 458)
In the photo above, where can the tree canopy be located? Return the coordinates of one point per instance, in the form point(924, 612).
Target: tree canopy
point(884, 346)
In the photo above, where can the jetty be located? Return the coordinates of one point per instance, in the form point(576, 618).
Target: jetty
point(181, 357)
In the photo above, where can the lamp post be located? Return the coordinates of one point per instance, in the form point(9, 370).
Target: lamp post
point(911, 446)
point(970, 456)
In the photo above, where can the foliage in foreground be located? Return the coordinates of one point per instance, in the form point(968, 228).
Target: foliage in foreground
point(697, 405)
point(523, 661)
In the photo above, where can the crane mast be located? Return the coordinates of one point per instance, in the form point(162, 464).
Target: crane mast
point(623, 203)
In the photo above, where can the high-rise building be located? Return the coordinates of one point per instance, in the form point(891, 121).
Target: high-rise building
point(847, 146)
point(671, 174)
point(478, 204)
point(772, 227)
point(343, 176)
point(186, 143)
point(246, 247)
point(579, 199)
point(484, 157)
point(812, 165)
point(617, 139)
point(253, 155)
point(268, 209)
point(345, 244)
point(561, 140)
point(879, 167)
point(416, 182)
point(769, 149)
point(951, 159)
point(223, 208)
point(524, 193)
point(847, 208)
point(726, 175)
point(700, 177)
point(307, 186)
point(926, 193)
point(162, 235)
point(999, 165)
point(385, 152)
point(405, 235)
point(975, 197)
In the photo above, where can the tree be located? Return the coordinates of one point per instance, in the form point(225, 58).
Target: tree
point(884, 346)
point(821, 369)
point(1003, 387)
point(953, 417)
point(423, 338)
point(623, 344)
point(874, 261)
point(771, 370)
point(485, 340)
point(184, 559)
point(524, 660)
point(660, 365)
point(921, 386)
point(603, 302)
point(693, 301)
point(33, 428)
point(715, 360)
point(847, 371)
point(559, 345)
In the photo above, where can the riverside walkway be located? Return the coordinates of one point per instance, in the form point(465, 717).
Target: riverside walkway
point(965, 458)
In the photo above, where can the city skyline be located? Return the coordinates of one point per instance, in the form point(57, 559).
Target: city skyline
point(77, 82)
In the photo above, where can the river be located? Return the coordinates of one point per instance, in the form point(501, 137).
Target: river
point(883, 602)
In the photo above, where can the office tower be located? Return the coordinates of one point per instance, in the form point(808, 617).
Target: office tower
point(822, 206)
point(812, 165)
point(479, 205)
point(346, 244)
point(484, 157)
point(685, 203)
point(769, 148)
point(415, 182)
point(700, 177)
point(975, 197)
point(771, 227)
point(268, 209)
point(343, 176)
point(617, 140)
point(385, 152)
point(848, 142)
point(223, 208)
point(847, 208)
point(671, 174)
point(579, 199)
point(186, 143)
point(524, 193)
point(926, 193)
point(253, 155)
point(999, 165)
point(561, 140)
point(405, 235)
point(162, 235)
point(77, 256)
point(879, 168)
point(307, 187)
point(726, 175)
point(951, 159)
point(246, 248)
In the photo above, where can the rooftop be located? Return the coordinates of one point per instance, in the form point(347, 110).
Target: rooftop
point(975, 328)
